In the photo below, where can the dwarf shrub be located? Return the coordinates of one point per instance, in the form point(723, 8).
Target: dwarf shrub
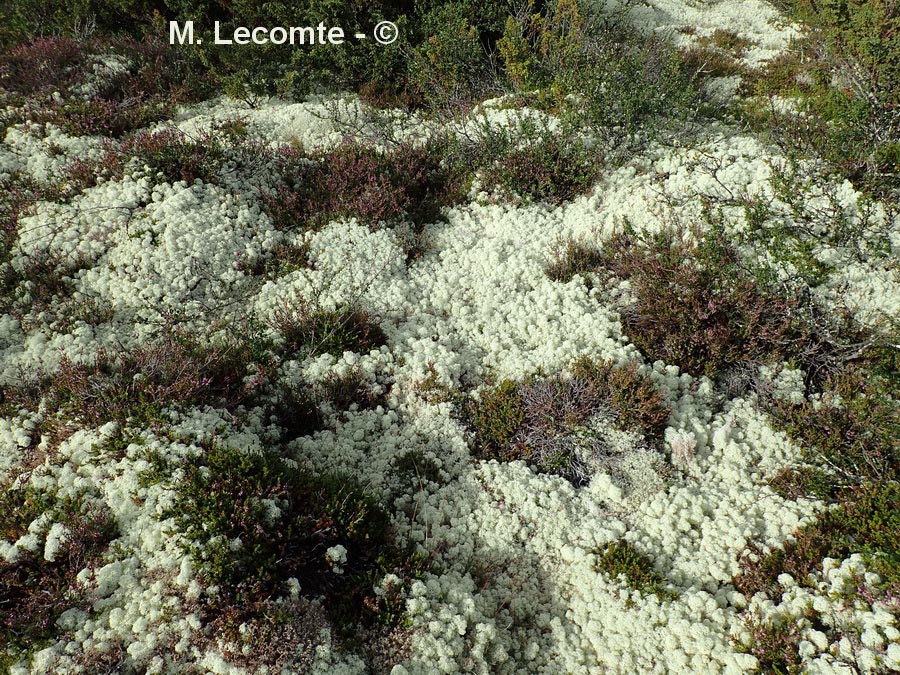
point(595, 66)
point(853, 428)
point(307, 330)
point(632, 396)
point(135, 386)
point(848, 91)
point(363, 182)
point(544, 421)
point(866, 522)
point(35, 590)
point(177, 156)
point(574, 256)
point(775, 645)
point(250, 521)
point(554, 170)
point(697, 307)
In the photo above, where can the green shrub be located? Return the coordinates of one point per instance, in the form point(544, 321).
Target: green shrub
point(251, 521)
point(620, 558)
point(496, 418)
point(307, 330)
point(554, 170)
point(595, 67)
point(450, 68)
point(544, 421)
point(636, 402)
point(541, 41)
point(866, 521)
point(848, 90)
point(853, 427)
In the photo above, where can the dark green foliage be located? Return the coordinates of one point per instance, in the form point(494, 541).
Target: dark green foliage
point(219, 502)
point(620, 558)
point(866, 521)
point(619, 78)
point(856, 428)
point(496, 418)
point(448, 55)
point(554, 169)
point(849, 90)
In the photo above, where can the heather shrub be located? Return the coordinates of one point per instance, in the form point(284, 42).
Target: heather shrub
point(252, 521)
point(278, 634)
point(852, 427)
point(866, 521)
point(806, 481)
point(620, 559)
point(554, 169)
point(571, 257)
point(406, 184)
point(37, 281)
point(307, 330)
point(43, 66)
point(178, 156)
point(632, 396)
point(359, 181)
point(150, 78)
point(101, 117)
point(775, 645)
point(559, 424)
point(696, 306)
point(35, 589)
point(136, 386)
point(528, 161)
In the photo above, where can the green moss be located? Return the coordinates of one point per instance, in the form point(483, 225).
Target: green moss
point(621, 559)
